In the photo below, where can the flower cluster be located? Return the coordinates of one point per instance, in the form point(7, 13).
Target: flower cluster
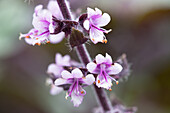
point(50, 27)
point(54, 70)
point(64, 76)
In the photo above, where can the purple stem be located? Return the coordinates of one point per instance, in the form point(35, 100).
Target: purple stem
point(64, 9)
point(84, 56)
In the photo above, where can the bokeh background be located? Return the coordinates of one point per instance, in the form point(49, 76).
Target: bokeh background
point(141, 29)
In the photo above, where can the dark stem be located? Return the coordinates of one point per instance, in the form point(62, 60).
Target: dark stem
point(64, 9)
point(85, 59)
point(83, 54)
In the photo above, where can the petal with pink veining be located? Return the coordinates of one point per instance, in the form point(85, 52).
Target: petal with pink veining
point(96, 35)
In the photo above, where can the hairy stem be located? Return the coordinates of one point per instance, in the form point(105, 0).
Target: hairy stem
point(64, 9)
point(85, 59)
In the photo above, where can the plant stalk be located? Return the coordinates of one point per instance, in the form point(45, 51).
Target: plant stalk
point(84, 57)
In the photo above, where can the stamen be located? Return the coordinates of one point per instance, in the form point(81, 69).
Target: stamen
point(20, 36)
point(38, 44)
point(110, 89)
point(70, 68)
point(83, 77)
point(48, 42)
point(82, 92)
point(117, 82)
point(94, 82)
point(98, 81)
point(27, 36)
point(66, 96)
point(36, 38)
point(93, 39)
point(107, 31)
point(105, 41)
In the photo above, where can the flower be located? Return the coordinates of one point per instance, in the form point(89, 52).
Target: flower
point(57, 67)
point(43, 26)
point(55, 70)
point(94, 21)
point(76, 81)
point(104, 67)
point(54, 89)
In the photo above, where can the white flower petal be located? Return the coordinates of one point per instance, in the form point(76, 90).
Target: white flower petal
point(62, 61)
point(76, 99)
point(103, 82)
point(54, 69)
point(54, 9)
point(96, 35)
point(89, 79)
point(75, 63)
point(91, 67)
point(49, 81)
point(38, 8)
point(42, 21)
point(60, 81)
point(65, 74)
point(55, 90)
point(66, 60)
point(30, 41)
point(114, 69)
point(98, 11)
point(22, 36)
point(51, 28)
point(76, 73)
point(108, 58)
point(86, 24)
point(54, 39)
point(58, 59)
point(100, 59)
point(90, 12)
point(103, 20)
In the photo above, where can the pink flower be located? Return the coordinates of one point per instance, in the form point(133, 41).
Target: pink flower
point(76, 80)
point(54, 89)
point(55, 69)
point(95, 20)
point(104, 67)
point(43, 25)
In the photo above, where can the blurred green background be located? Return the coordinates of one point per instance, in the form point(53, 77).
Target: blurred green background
point(141, 29)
